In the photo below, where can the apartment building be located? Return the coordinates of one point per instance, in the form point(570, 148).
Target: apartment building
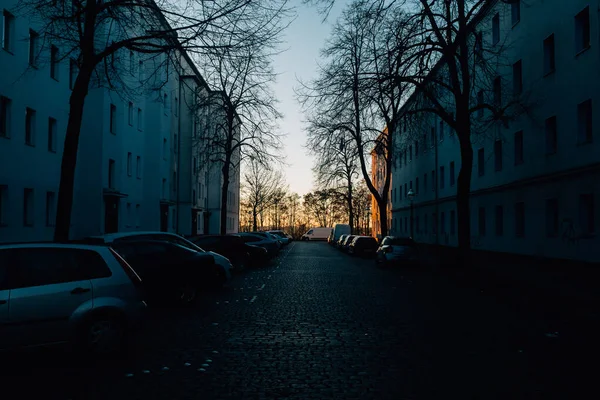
point(135, 167)
point(536, 180)
point(378, 171)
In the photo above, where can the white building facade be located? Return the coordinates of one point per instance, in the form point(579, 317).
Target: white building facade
point(536, 181)
point(135, 169)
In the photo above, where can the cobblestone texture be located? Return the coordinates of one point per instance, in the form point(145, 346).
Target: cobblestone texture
point(319, 324)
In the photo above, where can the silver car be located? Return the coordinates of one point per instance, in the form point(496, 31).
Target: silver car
point(59, 293)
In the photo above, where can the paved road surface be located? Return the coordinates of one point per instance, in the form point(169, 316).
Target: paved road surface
point(319, 324)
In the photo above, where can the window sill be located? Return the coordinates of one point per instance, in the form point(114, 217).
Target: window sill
point(51, 151)
point(55, 79)
point(580, 52)
point(8, 51)
point(29, 144)
point(516, 23)
point(550, 72)
point(139, 178)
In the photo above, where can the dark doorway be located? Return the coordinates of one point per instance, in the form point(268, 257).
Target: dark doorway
point(111, 214)
point(194, 222)
point(206, 217)
point(164, 217)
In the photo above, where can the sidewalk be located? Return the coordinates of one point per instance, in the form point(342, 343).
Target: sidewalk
point(568, 289)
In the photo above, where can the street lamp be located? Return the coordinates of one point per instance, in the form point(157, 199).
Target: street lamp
point(411, 196)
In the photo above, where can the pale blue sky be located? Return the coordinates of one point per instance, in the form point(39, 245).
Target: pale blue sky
point(305, 37)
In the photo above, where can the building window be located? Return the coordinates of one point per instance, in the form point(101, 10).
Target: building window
point(587, 218)
point(584, 122)
point(519, 148)
point(138, 167)
point(175, 143)
point(433, 181)
point(496, 28)
point(416, 148)
point(551, 217)
point(29, 126)
point(452, 181)
point(425, 181)
point(433, 223)
point(582, 30)
point(73, 71)
point(442, 222)
point(481, 162)
point(129, 160)
point(113, 119)
point(441, 130)
point(195, 165)
point(498, 91)
point(139, 119)
point(425, 223)
point(138, 215)
point(5, 108)
point(517, 77)
point(410, 153)
point(515, 11)
point(165, 103)
point(481, 220)
point(174, 181)
point(130, 114)
point(54, 62)
point(176, 106)
point(480, 104)
point(442, 177)
point(424, 143)
point(129, 216)
point(549, 55)
point(417, 185)
point(50, 208)
point(111, 174)
point(520, 219)
point(131, 63)
point(478, 46)
point(417, 225)
point(405, 190)
point(498, 155)
point(164, 149)
point(8, 29)
point(499, 214)
point(52, 132)
point(3, 204)
point(141, 70)
point(551, 135)
point(28, 207)
point(34, 42)
point(164, 189)
point(452, 222)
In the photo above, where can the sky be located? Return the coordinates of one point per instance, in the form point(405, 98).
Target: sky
point(305, 38)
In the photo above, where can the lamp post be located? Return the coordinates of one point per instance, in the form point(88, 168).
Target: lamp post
point(368, 219)
point(411, 196)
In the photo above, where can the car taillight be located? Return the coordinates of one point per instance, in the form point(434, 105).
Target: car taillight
point(135, 278)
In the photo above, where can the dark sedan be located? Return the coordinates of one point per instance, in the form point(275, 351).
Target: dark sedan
point(363, 246)
point(233, 247)
point(170, 273)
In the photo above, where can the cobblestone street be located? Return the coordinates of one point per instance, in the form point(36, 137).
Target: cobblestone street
point(319, 324)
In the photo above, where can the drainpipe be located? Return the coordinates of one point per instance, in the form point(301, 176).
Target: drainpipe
point(178, 157)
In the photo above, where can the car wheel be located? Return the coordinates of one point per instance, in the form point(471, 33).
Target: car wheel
point(186, 293)
point(104, 335)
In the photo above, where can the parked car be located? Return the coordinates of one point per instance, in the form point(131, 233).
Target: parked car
point(340, 241)
point(265, 242)
point(281, 236)
point(363, 246)
point(171, 273)
point(54, 293)
point(269, 236)
point(398, 250)
point(317, 234)
point(339, 230)
point(232, 247)
point(347, 241)
point(110, 238)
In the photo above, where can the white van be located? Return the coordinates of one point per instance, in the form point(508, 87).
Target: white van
point(317, 234)
point(339, 230)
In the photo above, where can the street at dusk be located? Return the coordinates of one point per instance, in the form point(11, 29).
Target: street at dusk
point(318, 323)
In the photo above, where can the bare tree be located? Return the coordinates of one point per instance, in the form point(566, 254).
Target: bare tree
point(244, 76)
point(259, 186)
point(94, 32)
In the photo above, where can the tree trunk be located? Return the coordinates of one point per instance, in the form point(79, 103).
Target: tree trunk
point(463, 192)
point(224, 192)
point(64, 205)
point(254, 215)
point(350, 208)
point(383, 217)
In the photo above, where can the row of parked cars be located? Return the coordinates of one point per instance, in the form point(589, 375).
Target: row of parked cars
point(392, 249)
point(93, 292)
